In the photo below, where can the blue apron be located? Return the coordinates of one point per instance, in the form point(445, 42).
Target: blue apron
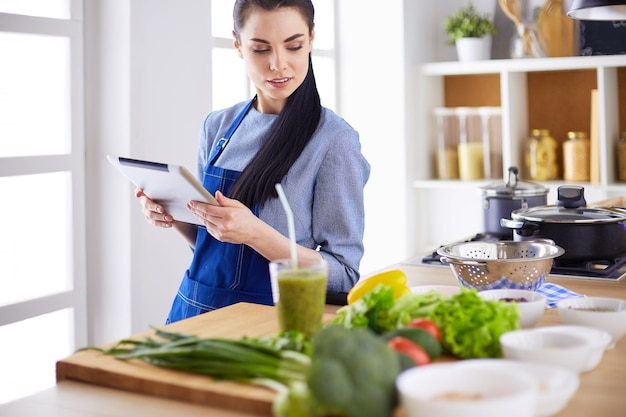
point(221, 273)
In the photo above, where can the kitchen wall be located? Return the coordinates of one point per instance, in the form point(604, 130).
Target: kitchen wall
point(147, 89)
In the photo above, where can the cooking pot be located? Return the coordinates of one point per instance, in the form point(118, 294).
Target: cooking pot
point(585, 233)
point(501, 199)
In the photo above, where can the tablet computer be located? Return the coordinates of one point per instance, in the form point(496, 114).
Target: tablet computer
point(172, 186)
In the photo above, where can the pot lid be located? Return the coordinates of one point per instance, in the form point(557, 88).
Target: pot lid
point(580, 215)
point(570, 207)
point(514, 188)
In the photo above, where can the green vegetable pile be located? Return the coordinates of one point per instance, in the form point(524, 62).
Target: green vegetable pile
point(349, 368)
point(341, 372)
point(470, 326)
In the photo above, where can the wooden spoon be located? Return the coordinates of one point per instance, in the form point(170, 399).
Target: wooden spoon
point(531, 45)
point(511, 9)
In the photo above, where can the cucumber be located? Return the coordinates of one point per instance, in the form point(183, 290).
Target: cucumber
point(405, 362)
point(419, 336)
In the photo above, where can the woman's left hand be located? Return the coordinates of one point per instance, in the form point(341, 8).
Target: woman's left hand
point(231, 221)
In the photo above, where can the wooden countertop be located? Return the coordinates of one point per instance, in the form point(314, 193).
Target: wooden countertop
point(599, 392)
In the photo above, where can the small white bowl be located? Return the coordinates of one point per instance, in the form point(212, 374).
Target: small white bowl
point(531, 303)
point(555, 348)
point(443, 289)
point(454, 390)
point(598, 339)
point(555, 385)
point(608, 314)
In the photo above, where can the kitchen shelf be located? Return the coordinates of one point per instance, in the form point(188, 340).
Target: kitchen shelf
point(550, 93)
point(496, 66)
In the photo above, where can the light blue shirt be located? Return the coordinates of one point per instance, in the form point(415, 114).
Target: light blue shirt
point(324, 186)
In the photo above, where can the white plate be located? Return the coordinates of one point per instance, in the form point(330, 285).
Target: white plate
point(555, 385)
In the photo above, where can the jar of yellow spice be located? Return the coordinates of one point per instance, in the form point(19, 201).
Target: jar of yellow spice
point(576, 157)
point(541, 156)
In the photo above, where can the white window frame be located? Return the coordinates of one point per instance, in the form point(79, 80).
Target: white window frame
point(74, 163)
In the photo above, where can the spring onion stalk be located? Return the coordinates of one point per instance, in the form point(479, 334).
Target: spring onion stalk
point(243, 360)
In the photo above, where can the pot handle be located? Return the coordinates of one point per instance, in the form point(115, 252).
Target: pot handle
point(446, 260)
point(512, 178)
point(521, 227)
point(511, 224)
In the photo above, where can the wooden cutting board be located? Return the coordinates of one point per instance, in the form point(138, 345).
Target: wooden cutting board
point(236, 321)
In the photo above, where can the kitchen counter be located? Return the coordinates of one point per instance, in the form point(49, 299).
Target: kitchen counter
point(598, 393)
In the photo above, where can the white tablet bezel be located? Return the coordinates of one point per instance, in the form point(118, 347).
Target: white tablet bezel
point(172, 186)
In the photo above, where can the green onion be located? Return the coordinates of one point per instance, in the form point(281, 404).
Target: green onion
point(244, 360)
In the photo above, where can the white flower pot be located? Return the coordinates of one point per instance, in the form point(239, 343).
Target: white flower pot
point(473, 49)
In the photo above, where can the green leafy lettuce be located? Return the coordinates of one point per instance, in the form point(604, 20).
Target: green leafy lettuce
point(381, 312)
point(471, 327)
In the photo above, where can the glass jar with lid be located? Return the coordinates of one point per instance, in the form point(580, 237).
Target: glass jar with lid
point(576, 157)
point(471, 149)
point(542, 156)
point(447, 123)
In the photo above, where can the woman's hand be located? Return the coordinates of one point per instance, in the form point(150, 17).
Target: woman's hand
point(231, 221)
point(153, 212)
point(235, 223)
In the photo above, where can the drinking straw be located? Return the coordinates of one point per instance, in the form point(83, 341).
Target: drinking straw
point(290, 225)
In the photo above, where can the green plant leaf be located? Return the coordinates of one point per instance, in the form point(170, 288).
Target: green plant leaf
point(467, 22)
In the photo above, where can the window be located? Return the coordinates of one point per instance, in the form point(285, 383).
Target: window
point(42, 171)
point(42, 261)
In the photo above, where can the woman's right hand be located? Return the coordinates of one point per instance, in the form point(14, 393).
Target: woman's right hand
point(153, 212)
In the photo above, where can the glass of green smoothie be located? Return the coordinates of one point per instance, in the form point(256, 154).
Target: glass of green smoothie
point(299, 294)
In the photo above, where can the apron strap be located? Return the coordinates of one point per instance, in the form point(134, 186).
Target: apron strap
point(219, 148)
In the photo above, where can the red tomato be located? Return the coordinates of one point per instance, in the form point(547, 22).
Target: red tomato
point(410, 349)
point(427, 325)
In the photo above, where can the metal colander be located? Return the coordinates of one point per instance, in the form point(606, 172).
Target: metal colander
point(502, 264)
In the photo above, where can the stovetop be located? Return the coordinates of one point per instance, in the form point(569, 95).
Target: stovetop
point(606, 269)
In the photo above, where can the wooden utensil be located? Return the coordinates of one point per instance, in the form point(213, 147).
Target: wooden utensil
point(531, 44)
point(556, 29)
point(611, 202)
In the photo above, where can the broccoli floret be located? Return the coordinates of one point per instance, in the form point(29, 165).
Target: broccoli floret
point(353, 373)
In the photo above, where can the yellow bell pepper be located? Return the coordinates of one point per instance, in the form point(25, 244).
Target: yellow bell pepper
point(393, 278)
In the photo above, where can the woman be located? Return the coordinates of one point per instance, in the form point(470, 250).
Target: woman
point(283, 135)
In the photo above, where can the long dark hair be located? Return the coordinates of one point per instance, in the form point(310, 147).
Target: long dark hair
point(292, 129)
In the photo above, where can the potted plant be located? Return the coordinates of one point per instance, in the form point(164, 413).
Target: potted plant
point(471, 32)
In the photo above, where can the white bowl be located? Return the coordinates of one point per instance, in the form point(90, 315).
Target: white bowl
point(443, 289)
point(597, 338)
point(455, 390)
point(608, 314)
point(555, 385)
point(531, 304)
point(554, 348)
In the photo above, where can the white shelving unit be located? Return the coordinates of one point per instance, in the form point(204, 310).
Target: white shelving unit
point(552, 92)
